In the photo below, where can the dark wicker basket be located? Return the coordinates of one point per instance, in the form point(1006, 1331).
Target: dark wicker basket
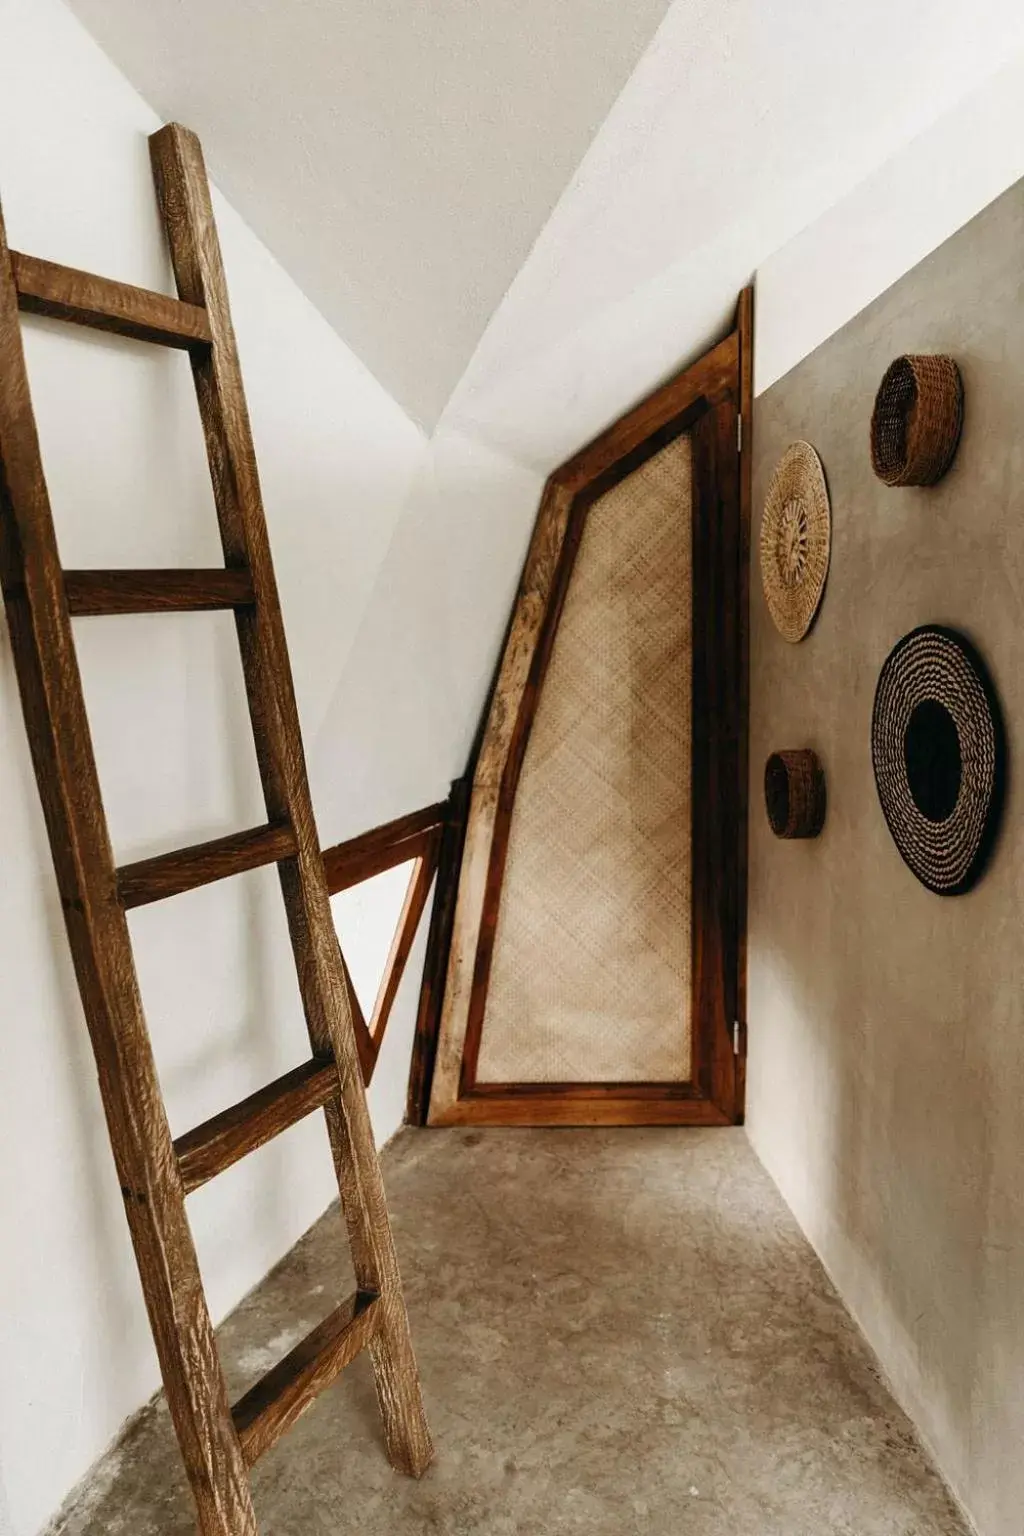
point(794, 793)
point(916, 423)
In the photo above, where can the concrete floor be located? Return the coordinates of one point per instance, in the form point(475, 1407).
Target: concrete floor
point(618, 1331)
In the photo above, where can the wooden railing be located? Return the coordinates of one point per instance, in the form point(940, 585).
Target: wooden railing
point(431, 840)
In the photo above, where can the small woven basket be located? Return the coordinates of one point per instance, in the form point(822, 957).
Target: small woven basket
point(917, 419)
point(794, 793)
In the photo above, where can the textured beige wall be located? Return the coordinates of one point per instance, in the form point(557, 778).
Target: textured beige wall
point(886, 1074)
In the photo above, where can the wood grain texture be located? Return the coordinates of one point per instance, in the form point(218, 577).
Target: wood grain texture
point(124, 591)
point(710, 379)
point(745, 328)
point(543, 1107)
point(184, 195)
point(169, 874)
point(515, 750)
point(58, 733)
point(530, 607)
point(439, 937)
point(414, 838)
point(371, 853)
point(212, 1147)
point(64, 293)
point(702, 398)
point(716, 786)
point(365, 1049)
point(417, 891)
point(293, 1385)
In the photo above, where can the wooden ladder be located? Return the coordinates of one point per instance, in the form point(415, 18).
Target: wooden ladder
point(218, 1443)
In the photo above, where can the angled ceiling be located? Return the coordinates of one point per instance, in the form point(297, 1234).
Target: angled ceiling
point(588, 182)
point(397, 156)
point(743, 123)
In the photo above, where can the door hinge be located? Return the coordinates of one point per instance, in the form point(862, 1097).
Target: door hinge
point(737, 1038)
point(739, 434)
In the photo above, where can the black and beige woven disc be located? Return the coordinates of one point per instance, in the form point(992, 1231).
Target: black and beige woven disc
point(796, 540)
point(938, 752)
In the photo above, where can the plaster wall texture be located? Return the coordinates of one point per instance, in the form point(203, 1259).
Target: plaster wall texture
point(128, 478)
point(886, 1063)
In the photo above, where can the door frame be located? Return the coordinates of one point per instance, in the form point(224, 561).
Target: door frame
point(711, 399)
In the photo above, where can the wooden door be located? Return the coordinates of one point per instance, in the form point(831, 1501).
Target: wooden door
point(595, 971)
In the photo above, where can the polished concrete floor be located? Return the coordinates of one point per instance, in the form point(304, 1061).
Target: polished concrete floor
point(618, 1331)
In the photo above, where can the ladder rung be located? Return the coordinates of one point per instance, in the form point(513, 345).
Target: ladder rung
point(93, 592)
point(290, 1387)
point(64, 293)
point(235, 1132)
point(171, 873)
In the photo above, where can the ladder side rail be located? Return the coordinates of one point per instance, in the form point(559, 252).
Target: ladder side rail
point(184, 196)
point(50, 684)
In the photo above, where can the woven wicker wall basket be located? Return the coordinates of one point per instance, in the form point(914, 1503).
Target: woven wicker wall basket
point(917, 420)
point(794, 793)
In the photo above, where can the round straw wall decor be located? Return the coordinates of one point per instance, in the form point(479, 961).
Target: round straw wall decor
point(938, 752)
point(796, 539)
point(916, 423)
point(794, 793)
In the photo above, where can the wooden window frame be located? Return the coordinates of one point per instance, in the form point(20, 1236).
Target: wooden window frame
point(712, 399)
point(415, 838)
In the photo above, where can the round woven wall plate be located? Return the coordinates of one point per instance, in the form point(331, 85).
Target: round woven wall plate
point(938, 752)
point(796, 539)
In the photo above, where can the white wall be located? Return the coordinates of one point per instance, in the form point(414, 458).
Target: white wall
point(889, 222)
point(123, 453)
point(6, 1529)
point(413, 684)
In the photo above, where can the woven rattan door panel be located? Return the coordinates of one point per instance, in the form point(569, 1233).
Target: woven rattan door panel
point(590, 975)
point(595, 974)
